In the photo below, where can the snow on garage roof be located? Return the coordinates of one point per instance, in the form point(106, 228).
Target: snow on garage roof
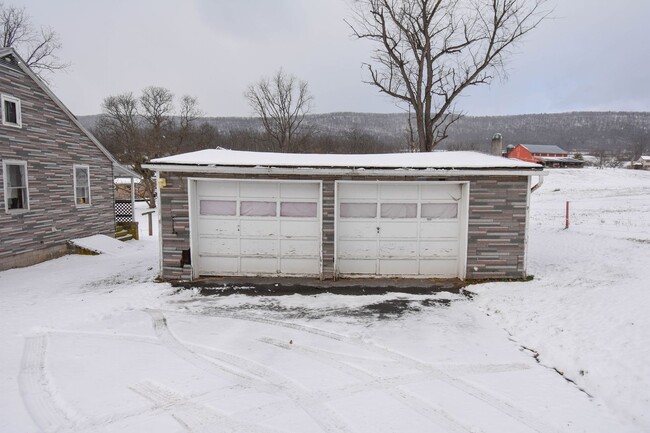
point(435, 160)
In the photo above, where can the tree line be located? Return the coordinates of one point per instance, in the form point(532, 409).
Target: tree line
point(154, 124)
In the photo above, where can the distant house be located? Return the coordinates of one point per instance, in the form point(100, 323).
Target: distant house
point(643, 163)
point(548, 155)
point(57, 179)
point(419, 215)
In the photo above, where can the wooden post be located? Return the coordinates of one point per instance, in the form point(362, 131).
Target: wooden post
point(132, 199)
point(566, 225)
point(149, 218)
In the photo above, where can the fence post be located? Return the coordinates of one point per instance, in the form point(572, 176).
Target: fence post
point(566, 225)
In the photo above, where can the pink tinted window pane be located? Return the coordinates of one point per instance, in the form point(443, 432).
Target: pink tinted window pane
point(257, 208)
point(358, 210)
point(439, 210)
point(399, 210)
point(218, 207)
point(298, 209)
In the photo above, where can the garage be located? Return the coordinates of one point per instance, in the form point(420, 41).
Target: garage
point(257, 227)
point(230, 213)
point(401, 229)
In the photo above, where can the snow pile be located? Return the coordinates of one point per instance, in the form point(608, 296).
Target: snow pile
point(586, 311)
point(102, 244)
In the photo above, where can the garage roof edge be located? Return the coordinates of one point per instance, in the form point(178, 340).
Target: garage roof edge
point(194, 169)
point(385, 161)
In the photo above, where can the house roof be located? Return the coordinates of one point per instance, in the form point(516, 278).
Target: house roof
point(8, 51)
point(430, 160)
point(544, 148)
point(644, 158)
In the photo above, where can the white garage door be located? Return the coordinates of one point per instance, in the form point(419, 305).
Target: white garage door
point(258, 228)
point(405, 228)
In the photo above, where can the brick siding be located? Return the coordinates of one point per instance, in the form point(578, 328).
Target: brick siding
point(50, 143)
point(496, 222)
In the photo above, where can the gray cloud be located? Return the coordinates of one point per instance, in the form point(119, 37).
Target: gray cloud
point(593, 55)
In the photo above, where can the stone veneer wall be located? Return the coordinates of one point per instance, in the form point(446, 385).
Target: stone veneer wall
point(50, 143)
point(175, 229)
point(496, 238)
point(496, 220)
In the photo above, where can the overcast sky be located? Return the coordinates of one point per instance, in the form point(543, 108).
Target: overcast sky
point(593, 55)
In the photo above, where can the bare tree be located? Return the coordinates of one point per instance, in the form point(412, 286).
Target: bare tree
point(37, 47)
point(189, 112)
point(430, 51)
point(157, 108)
point(136, 130)
point(120, 116)
point(282, 102)
point(119, 129)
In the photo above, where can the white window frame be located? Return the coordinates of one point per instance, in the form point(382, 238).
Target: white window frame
point(5, 182)
point(74, 175)
point(19, 118)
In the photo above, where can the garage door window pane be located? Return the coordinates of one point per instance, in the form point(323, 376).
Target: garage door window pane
point(439, 210)
point(399, 210)
point(257, 208)
point(298, 209)
point(358, 210)
point(218, 207)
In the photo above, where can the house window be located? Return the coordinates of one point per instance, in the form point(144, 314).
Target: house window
point(81, 185)
point(10, 111)
point(15, 186)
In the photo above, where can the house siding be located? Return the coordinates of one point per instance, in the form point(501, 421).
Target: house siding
point(50, 143)
point(496, 222)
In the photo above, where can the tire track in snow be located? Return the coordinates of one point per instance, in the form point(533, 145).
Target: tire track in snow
point(426, 410)
point(500, 404)
point(326, 418)
point(46, 409)
point(252, 371)
point(467, 369)
point(259, 413)
point(194, 417)
point(167, 339)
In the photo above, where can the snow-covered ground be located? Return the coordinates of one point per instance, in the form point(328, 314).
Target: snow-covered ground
point(93, 344)
point(587, 311)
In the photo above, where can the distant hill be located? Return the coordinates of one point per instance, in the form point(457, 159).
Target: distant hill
point(575, 131)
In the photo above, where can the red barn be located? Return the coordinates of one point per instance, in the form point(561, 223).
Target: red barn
point(548, 155)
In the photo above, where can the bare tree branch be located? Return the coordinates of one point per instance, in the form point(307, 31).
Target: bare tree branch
point(282, 102)
point(430, 51)
point(37, 47)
